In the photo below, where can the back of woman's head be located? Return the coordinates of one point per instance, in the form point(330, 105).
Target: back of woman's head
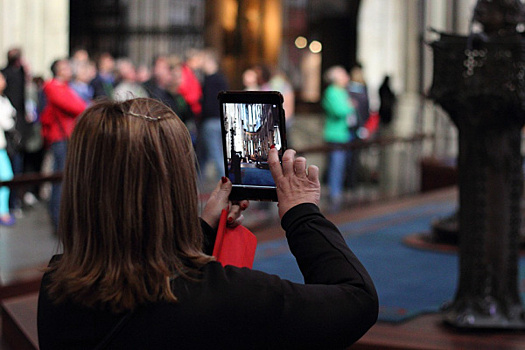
point(129, 212)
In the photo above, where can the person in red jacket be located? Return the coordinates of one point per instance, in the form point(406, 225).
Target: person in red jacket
point(63, 105)
point(190, 87)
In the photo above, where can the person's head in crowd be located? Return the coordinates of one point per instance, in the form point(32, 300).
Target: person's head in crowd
point(193, 58)
point(126, 70)
point(148, 161)
point(105, 64)
point(337, 75)
point(143, 73)
point(80, 55)
point(61, 70)
point(249, 79)
point(264, 74)
point(162, 71)
point(210, 61)
point(38, 81)
point(84, 71)
point(356, 74)
point(14, 57)
point(175, 63)
point(174, 60)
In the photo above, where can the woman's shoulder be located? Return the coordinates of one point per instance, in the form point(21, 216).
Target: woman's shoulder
point(237, 280)
point(228, 290)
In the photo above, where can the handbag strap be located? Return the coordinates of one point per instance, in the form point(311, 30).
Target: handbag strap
point(113, 332)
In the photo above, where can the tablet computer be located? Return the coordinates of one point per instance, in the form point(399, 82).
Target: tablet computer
point(252, 122)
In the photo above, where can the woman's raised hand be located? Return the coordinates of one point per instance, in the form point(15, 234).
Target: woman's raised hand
point(295, 183)
point(218, 201)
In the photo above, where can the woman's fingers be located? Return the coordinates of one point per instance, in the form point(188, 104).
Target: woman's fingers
point(300, 167)
point(244, 204)
point(235, 216)
point(296, 184)
point(288, 162)
point(236, 222)
point(313, 173)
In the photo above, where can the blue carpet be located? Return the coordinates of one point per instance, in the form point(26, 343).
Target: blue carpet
point(408, 281)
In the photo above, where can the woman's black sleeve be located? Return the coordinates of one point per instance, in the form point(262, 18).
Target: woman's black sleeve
point(338, 302)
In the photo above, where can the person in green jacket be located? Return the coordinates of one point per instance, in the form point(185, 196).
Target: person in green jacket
point(340, 117)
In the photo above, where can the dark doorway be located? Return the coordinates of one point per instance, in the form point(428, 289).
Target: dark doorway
point(139, 30)
point(97, 26)
point(334, 23)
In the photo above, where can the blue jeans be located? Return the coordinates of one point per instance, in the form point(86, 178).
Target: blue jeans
point(336, 173)
point(6, 174)
point(210, 145)
point(17, 165)
point(59, 150)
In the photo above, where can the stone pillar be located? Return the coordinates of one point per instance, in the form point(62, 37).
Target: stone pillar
point(40, 28)
point(479, 81)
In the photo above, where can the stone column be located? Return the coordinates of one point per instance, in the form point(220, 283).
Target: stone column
point(40, 28)
point(479, 80)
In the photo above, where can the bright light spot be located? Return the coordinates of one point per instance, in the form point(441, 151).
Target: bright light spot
point(316, 46)
point(301, 42)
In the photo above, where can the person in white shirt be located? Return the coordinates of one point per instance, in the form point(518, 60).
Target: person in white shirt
point(128, 86)
point(7, 122)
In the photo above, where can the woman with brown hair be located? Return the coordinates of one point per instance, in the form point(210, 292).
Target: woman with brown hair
point(136, 270)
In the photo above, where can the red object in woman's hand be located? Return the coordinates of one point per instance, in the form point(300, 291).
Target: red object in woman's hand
point(234, 246)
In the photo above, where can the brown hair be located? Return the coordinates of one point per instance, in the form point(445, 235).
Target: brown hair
point(129, 209)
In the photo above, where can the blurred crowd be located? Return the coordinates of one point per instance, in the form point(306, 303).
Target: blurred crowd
point(37, 115)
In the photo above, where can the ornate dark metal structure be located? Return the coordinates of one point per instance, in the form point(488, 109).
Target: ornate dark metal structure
point(480, 81)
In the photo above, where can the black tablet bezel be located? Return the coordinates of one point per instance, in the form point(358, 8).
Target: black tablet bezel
point(252, 192)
